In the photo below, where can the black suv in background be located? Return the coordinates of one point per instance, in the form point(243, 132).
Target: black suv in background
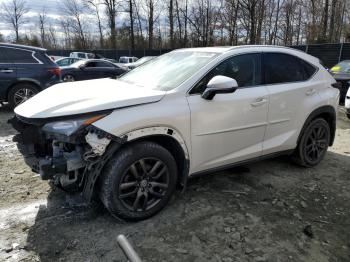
point(25, 71)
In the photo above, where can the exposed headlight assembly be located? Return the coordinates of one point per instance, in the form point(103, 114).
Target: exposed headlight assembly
point(69, 127)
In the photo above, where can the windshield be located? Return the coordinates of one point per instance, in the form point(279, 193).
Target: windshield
point(168, 71)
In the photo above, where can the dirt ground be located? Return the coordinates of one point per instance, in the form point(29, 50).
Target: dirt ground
point(267, 211)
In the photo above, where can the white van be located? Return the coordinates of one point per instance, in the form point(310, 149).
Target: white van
point(82, 55)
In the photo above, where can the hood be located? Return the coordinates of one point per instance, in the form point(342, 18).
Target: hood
point(85, 97)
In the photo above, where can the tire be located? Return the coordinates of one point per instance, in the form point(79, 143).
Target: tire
point(125, 187)
point(21, 93)
point(68, 78)
point(313, 144)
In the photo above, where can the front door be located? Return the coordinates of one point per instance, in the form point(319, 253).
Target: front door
point(231, 127)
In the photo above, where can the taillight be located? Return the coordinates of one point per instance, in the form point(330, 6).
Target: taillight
point(56, 71)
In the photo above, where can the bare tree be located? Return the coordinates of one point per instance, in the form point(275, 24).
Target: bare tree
point(171, 23)
point(74, 9)
point(131, 16)
point(42, 24)
point(95, 4)
point(149, 9)
point(249, 9)
point(111, 12)
point(14, 12)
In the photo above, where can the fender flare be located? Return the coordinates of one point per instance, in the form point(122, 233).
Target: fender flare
point(330, 111)
point(169, 132)
point(157, 130)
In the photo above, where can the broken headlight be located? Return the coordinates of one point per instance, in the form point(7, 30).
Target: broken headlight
point(69, 127)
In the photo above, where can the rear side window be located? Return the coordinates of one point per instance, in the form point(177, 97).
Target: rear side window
point(103, 64)
point(284, 68)
point(20, 56)
point(245, 69)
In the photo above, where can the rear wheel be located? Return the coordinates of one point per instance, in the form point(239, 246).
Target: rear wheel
point(68, 78)
point(139, 181)
point(313, 144)
point(21, 93)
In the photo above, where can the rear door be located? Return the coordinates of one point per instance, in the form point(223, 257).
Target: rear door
point(107, 69)
point(8, 73)
point(292, 96)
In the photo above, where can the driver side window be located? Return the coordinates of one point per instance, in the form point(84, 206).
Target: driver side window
point(245, 69)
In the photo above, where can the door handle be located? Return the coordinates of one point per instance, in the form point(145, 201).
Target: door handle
point(6, 71)
point(310, 91)
point(259, 102)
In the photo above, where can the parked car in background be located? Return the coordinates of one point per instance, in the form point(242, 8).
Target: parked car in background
point(347, 103)
point(66, 61)
point(127, 59)
point(341, 73)
point(98, 56)
point(139, 62)
point(25, 71)
point(90, 69)
point(130, 142)
point(82, 55)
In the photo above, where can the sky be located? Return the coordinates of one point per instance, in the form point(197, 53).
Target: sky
point(36, 6)
point(53, 9)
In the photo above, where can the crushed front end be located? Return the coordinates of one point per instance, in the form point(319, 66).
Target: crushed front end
point(70, 152)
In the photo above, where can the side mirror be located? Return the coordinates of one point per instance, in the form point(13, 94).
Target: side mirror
point(219, 85)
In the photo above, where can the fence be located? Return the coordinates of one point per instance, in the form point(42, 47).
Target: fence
point(329, 54)
point(112, 53)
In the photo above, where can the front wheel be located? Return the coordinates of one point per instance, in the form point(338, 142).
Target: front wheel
point(313, 144)
point(138, 181)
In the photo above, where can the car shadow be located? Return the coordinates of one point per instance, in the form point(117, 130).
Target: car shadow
point(65, 230)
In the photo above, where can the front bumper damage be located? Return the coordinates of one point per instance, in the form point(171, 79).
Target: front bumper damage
point(73, 162)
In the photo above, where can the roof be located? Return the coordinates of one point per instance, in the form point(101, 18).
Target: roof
point(27, 47)
point(271, 48)
point(223, 49)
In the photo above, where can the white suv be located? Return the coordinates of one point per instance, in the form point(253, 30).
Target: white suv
point(131, 141)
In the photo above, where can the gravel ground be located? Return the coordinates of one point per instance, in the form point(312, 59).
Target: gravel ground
point(266, 211)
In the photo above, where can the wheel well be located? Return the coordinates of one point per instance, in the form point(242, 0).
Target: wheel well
point(174, 147)
point(20, 83)
point(327, 113)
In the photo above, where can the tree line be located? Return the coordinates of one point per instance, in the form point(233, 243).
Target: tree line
point(155, 24)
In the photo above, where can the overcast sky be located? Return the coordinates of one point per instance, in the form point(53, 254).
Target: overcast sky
point(53, 9)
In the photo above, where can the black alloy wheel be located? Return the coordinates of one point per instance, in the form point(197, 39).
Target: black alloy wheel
point(138, 181)
point(313, 144)
point(316, 143)
point(144, 184)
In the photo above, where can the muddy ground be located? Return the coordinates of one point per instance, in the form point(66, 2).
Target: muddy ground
point(267, 211)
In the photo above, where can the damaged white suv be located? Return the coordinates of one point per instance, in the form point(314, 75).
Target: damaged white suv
point(131, 141)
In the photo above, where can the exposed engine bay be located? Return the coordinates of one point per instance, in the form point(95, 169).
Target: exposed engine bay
point(71, 153)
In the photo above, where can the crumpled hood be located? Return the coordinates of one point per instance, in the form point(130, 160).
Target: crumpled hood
point(86, 96)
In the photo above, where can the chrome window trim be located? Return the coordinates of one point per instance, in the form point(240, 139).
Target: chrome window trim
point(31, 51)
